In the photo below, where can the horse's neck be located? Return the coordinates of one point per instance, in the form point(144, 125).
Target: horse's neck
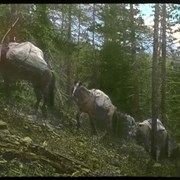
point(86, 91)
point(86, 96)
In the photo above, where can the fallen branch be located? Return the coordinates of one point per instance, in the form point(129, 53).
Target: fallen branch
point(61, 163)
point(55, 156)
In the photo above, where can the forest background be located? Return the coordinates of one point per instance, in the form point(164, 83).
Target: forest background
point(106, 46)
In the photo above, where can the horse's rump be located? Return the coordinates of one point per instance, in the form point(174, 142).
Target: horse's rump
point(103, 104)
point(24, 61)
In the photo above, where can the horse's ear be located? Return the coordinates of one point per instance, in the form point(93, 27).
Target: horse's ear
point(79, 82)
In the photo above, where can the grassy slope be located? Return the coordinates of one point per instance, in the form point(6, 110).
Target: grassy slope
point(78, 153)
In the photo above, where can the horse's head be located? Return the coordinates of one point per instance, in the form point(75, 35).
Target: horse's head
point(79, 92)
point(76, 87)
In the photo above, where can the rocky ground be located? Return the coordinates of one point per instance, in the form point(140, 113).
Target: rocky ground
point(34, 146)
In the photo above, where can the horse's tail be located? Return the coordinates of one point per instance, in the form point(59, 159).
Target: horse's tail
point(117, 123)
point(51, 90)
point(120, 124)
point(167, 145)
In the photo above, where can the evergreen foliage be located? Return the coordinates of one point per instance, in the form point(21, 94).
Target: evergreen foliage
point(98, 49)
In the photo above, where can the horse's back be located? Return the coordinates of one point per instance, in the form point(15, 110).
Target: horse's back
point(26, 54)
point(148, 122)
point(101, 99)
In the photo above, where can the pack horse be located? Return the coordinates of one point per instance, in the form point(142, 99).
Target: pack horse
point(96, 104)
point(25, 61)
point(144, 131)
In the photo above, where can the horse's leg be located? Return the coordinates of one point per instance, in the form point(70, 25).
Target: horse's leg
point(109, 119)
point(147, 141)
point(78, 119)
point(109, 125)
point(46, 81)
point(162, 144)
point(39, 97)
point(108, 133)
point(94, 131)
point(6, 87)
point(45, 100)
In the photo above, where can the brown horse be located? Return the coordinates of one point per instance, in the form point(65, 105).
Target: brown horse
point(96, 104)
point(102, 112)
point(24, 61)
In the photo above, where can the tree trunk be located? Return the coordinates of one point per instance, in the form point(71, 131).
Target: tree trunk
point(123, 28)
point(163, 67)
point(134, 67)
point(62, 20)
point(68, 63)
point(79, 25)
point(155, 84)
point(44, 22)
point(95, 68)
point(78, 43)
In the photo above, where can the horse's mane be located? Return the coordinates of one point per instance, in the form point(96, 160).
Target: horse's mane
point(86, 89)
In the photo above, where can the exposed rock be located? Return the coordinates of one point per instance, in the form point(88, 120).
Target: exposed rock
point(27, 140)
point(3, 125)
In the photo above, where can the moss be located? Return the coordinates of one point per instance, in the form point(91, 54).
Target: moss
point(76, 153)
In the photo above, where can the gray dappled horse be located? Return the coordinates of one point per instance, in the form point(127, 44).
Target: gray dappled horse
point(24, 61)
point(143, 132)
point(101, 111)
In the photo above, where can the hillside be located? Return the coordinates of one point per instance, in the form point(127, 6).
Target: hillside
point(31, 146)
